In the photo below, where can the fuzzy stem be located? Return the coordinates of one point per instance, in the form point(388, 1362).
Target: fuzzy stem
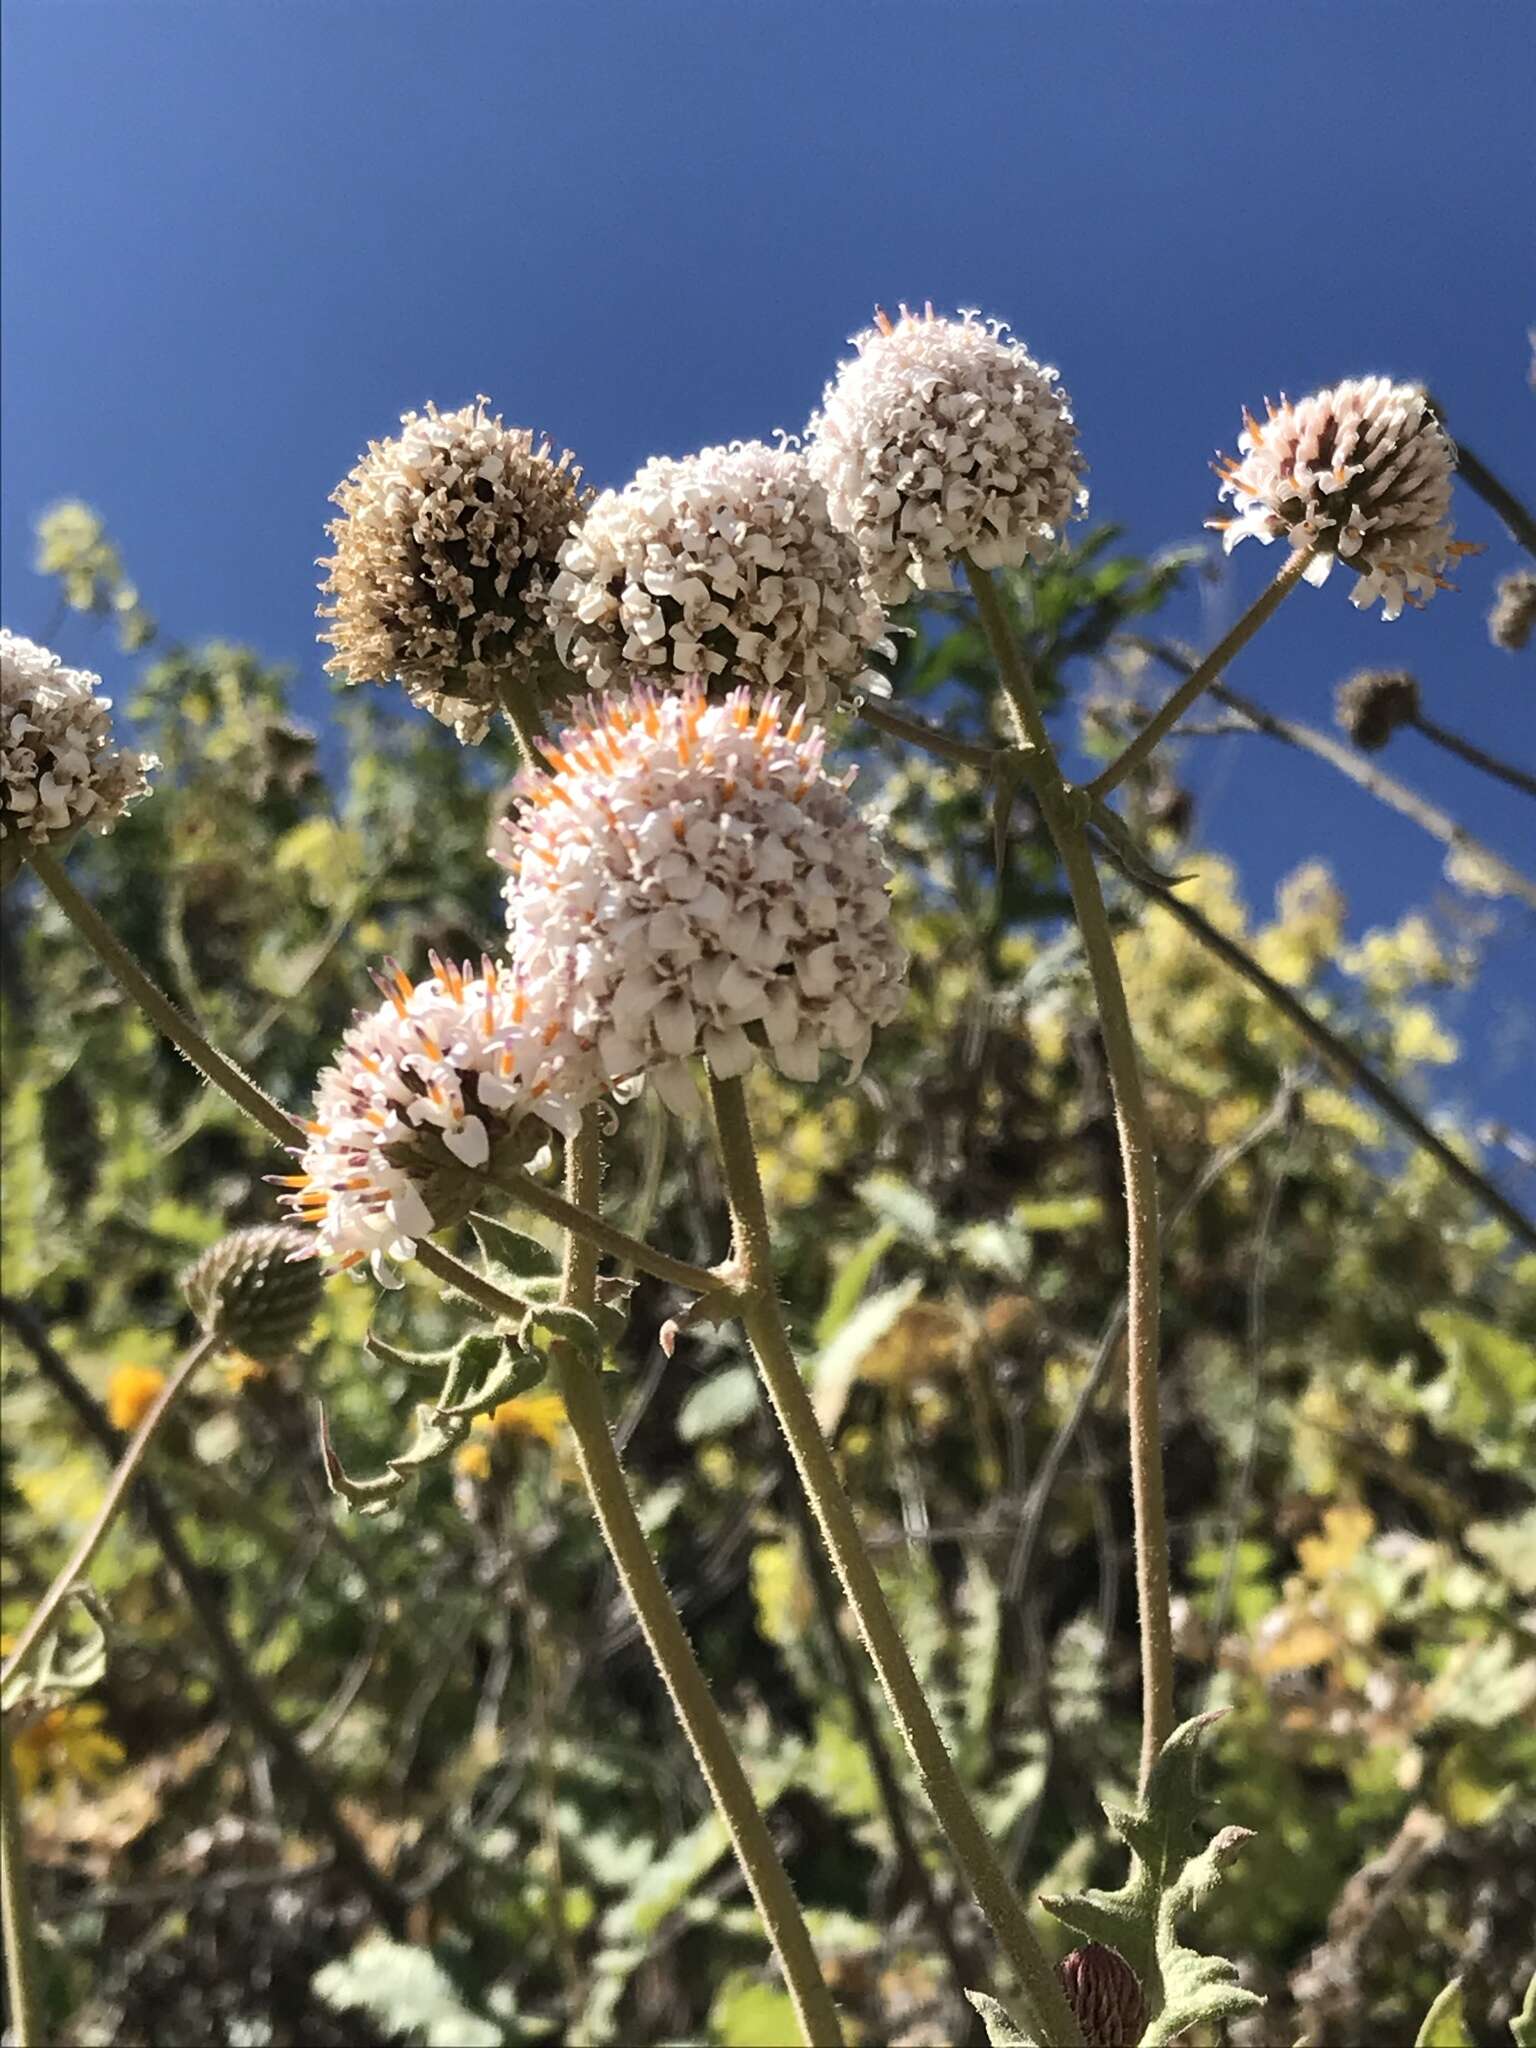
point(1506, 771)
point(518, 704)
point(604, 1236)
point(156, 1005)
point(608, 1490)
point(1163, 721)
point(214, 1066)
point(70, 1575)
point(16, 1914)
point(1138, 1163)
point(904, 1694)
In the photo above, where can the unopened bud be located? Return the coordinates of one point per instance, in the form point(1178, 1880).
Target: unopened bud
point(1104, 1995)
point(249, 1290)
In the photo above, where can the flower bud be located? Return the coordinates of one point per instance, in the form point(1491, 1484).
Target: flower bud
point(251, 1291)
point(1104, 1996)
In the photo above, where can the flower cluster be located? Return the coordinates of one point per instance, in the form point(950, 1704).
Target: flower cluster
point(445, 555)
point(944, 438)
point(1361, 474)
point(724, 563)
point(706, 886)
point(58, 767)
point(468, 1057)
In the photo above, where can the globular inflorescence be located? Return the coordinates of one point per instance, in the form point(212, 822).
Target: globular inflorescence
point(59, 768)
point(463, 1064)
point(942, 439)
point(700, 884)
point(446, 551)
point(1360, 474)
point(723, 564)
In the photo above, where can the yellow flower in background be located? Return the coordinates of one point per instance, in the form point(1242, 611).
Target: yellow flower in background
point(536, 1415)
point(473, 1459)
point(240, 1370)
point(540, 1416)
point(131, 1393)
point(66, 1742)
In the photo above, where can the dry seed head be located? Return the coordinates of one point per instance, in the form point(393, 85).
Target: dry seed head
point(256, 1290)
point(1361, 472)
point(445, 553)
point(1375, 704)
point(1514, 610)
point(701, 885)
point(944, 438)
point(725, 563)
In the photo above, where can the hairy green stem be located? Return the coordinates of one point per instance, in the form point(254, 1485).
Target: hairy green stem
point(608, 1490)
point(518, 703)
point(156, 1005)
point(1065, 821)
point(904, 1694)
point(16, 1914)
point(79, 1563)
point(599, 1233)
point(1162, 722)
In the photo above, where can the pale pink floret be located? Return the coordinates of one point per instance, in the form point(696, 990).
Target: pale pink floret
point(941, 439)
point(723, 563)
point(465, 1055)
point(1362, 473)
point(707, 886)
point(59, 769)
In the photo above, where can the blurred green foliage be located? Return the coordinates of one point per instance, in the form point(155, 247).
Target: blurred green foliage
point(1350, 1437)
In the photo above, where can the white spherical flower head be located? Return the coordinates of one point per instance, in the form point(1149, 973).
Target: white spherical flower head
point(445, 554)
point(708, 887)
point(724, 563)
point(482, 1061)
point(1362, 473)
point(944, 438)
point(58, 767)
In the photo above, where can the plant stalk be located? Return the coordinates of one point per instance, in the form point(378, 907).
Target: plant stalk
point(1162, 722)
point(16, 1913)
point(904, 1694)
point(156, 1005)
point(1453, 743)
point(35, 1633)
point(1138, 1163)
point(608, 1490)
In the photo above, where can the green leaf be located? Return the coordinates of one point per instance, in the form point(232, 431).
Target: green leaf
point(747, 2013)
point(1002, 2030)
point(72, 1656)
point(408, 1361)
point(513, 1373)
point(405, 1990)
point(718, 1403)
point(837, 1367)
point(543, 1327)
point(853, 1277)
point(1183, 1988)
point(507, 1252)
point(1523, 2025)
point(1445, 2024)
point(897, 1201)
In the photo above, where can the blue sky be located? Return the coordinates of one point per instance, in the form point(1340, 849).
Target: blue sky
point(241, 238)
